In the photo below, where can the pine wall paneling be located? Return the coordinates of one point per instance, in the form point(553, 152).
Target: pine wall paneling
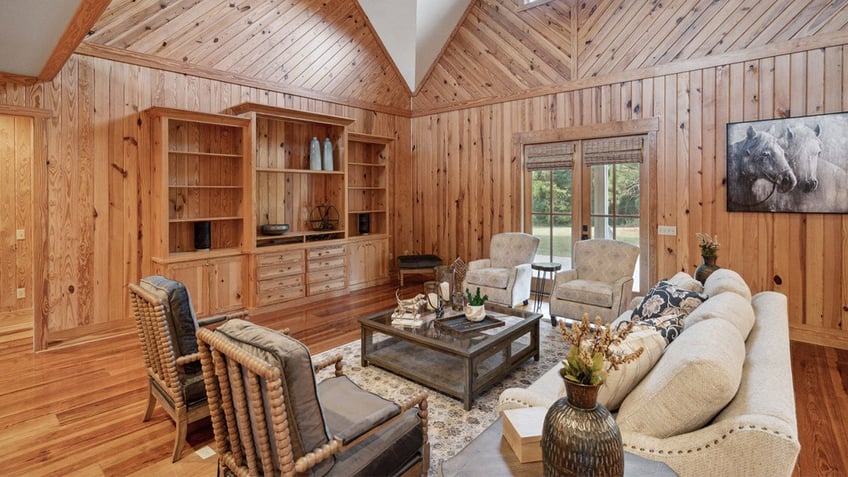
point(93, 132)
point(17, 154)
point(469, 178)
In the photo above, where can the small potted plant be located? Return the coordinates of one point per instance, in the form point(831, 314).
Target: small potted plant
point(475, 309)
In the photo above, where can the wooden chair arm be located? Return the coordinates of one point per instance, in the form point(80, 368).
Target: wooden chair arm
point(317, 455)
point(212, 320)
point(334, 359)
point(189, 358)
point(413, 401)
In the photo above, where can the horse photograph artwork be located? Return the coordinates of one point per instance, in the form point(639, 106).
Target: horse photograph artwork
point(788, 165)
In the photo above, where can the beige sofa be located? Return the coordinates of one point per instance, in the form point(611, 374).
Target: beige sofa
point(719, 401)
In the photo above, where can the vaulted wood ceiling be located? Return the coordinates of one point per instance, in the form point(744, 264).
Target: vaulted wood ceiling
point(327, 49)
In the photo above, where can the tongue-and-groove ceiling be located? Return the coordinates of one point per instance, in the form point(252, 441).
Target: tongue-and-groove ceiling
point(327, 49)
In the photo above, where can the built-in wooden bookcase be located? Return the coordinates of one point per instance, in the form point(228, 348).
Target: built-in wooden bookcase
point(367, 183)
point(197, 169)
point(287, 191)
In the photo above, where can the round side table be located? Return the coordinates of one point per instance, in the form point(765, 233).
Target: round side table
point(544, 272)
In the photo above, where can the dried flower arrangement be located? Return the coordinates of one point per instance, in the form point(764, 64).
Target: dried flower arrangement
point(709, 245)
point(591, 347)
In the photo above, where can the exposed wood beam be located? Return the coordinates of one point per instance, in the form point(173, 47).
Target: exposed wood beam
point(150, 61)
point(87, 13)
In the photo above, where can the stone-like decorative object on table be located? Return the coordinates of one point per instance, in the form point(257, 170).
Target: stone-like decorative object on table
point(328, 155)
point(315, 155)
point(579, 436)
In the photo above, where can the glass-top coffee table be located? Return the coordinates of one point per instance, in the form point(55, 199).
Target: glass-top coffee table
point(459, 363)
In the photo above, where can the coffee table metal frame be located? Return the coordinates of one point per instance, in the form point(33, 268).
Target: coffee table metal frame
point(460, 365)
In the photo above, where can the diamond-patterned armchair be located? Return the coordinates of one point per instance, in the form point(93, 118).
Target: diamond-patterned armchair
point(600, 282)
point(506, 276)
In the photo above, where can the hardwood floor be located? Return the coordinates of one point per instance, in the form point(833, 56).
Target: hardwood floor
point(76, 411)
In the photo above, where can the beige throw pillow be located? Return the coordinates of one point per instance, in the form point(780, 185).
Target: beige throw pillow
point(698, 375)
point(683, 280)
point(621, 381)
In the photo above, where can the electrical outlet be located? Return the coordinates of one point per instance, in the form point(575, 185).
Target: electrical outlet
point(21, 292)
point(20, 234)
point(667, 230)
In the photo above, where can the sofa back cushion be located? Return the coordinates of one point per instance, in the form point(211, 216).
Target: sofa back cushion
point(685, 281)
point(697, 376)
point(728, 306)
point(723, 280)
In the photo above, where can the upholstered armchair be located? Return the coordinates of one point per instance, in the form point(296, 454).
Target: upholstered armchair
point(270, 417)
point(166, 326)
point(506, 275)
point(600, 282)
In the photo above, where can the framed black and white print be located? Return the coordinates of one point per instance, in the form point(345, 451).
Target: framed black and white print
point(788, 165)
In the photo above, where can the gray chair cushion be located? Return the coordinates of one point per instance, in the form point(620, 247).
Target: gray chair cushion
point(384, 453)
point(351, 411)
point(306, 420)
point(181, 319)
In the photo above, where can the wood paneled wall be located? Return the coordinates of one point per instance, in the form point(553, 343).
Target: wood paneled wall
point(468, 182)
point(94, 230)
point(16, 157)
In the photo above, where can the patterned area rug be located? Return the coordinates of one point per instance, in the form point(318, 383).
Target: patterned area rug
point(451, 426)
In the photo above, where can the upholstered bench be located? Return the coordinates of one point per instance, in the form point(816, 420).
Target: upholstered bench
point(416, 264)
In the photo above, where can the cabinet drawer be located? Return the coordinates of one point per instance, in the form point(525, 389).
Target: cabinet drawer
point(325, 275)
point(268, 259)
point(324, 287)
point(283, 294)
point(326, 263)
point(324, 252)
point(279, 270)
point(266, 286)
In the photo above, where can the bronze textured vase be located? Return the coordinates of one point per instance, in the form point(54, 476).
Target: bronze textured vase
point(706, 269)
point(580, 437)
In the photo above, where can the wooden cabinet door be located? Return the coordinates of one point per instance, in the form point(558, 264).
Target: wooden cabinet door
point(194, 276)
point(225, 284)
point(368, 262)
point(357, 261)
point(379, 259)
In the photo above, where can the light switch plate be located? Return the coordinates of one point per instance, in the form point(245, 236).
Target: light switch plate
point(21, 292)
point(20, 234)
point(667, 230)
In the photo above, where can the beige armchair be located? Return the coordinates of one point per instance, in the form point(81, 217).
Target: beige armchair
point(506, 275)
point(600, 282)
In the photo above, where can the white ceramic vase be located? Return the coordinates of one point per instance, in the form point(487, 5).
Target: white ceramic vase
point(315, 155)
point(475, 313)
point(328, 155)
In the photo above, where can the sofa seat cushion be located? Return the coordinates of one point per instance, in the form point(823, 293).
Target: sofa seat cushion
point(351, 411)
point(589, 292)
point(697, 376)
point(729, 306)
point(723, 280)
point(488, 277)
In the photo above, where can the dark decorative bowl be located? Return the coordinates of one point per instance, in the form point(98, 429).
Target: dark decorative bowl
point(274, 229)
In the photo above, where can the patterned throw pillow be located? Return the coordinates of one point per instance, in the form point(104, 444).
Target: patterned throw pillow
point(665, 308)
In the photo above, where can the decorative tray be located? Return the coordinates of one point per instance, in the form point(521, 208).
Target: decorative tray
point(460, 324)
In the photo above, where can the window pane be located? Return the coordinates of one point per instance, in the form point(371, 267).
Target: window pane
point(601, 190)
point(562, 240)
point(602, 227)
point(627, 189)
point(562, 191)
point(627, 230)
point(541, 192)
point(542, 230)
